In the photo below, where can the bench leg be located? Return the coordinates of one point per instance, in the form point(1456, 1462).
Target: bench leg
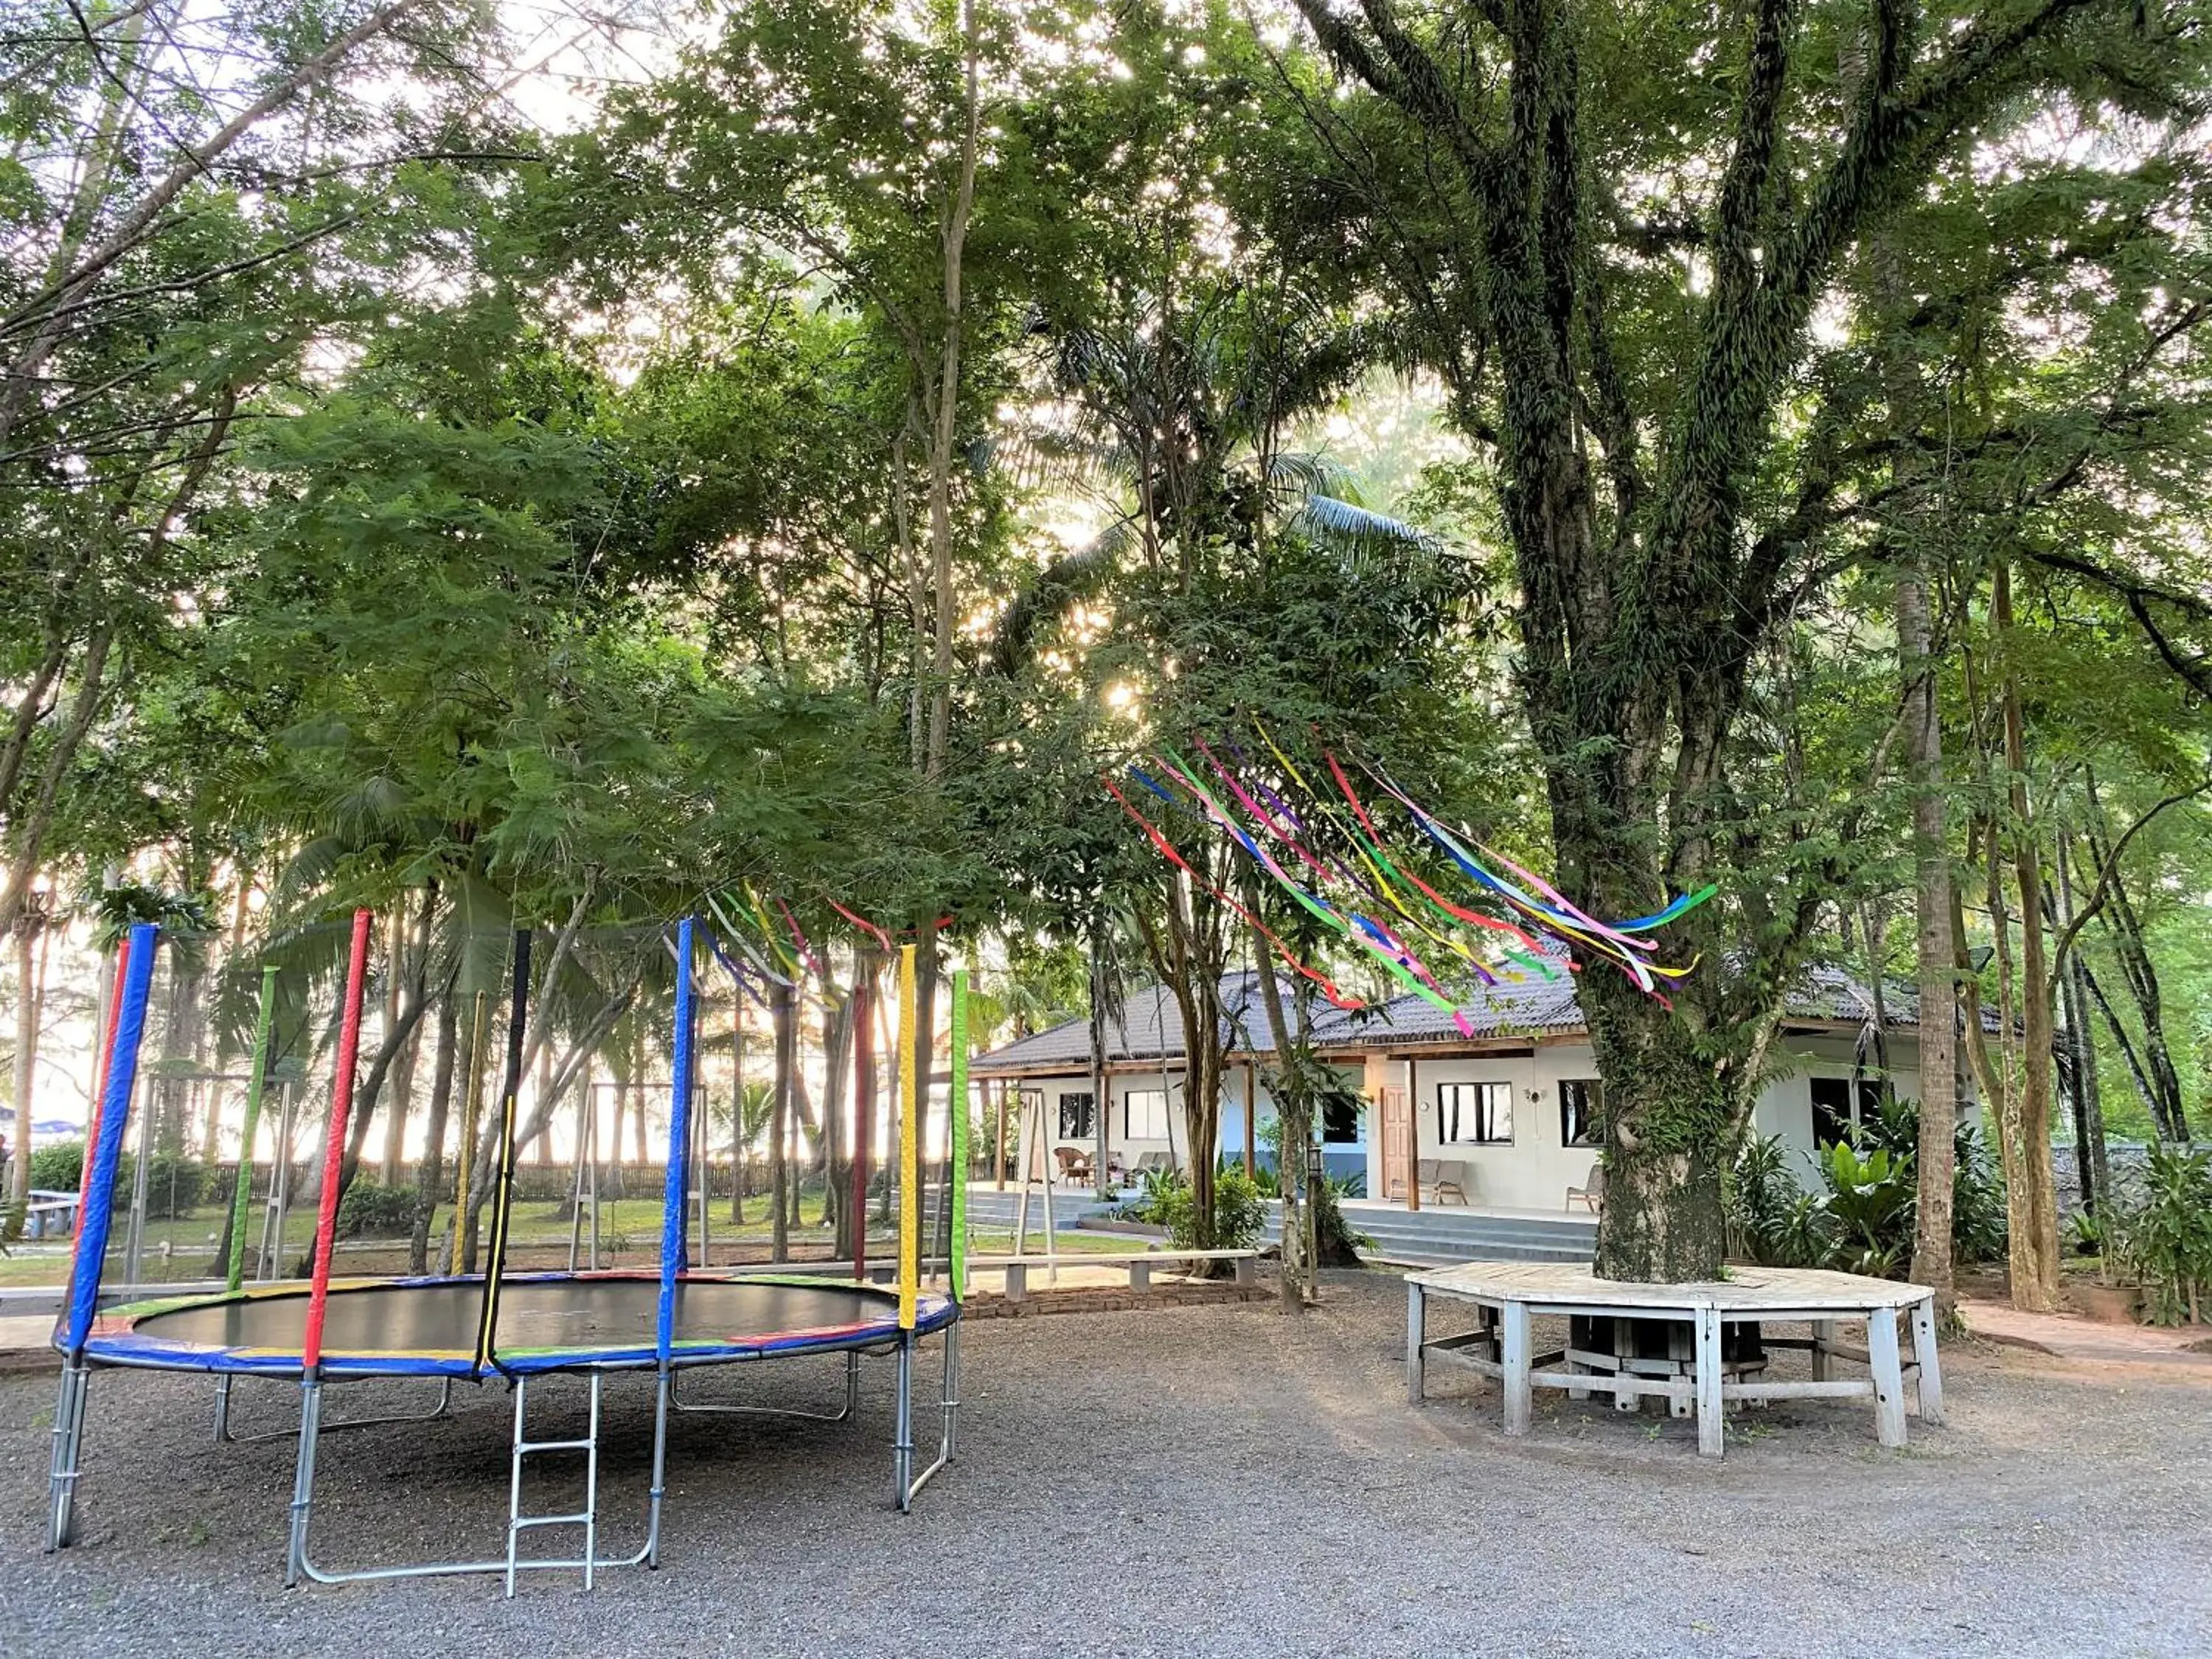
point(1018, 1282)
point(1247, 1269)
point(1888, 1380)
point(1824, 1340)
point(1623, 1350)
point(1415, 1312)
point(1140, 1276)
point(1709, 1425)
point(1923, 1355)
point(1520, 1392)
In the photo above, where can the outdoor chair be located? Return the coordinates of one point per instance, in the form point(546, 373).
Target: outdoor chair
point(1591, 1193)
point(1441, 1176)
point(1074, 1166)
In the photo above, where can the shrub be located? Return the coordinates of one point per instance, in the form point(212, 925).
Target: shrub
point(59, 1168)
point(1339, 1242)
point(369, 1210)
point(1240, 1212)
point(2167, 1238)
point(175, 1186)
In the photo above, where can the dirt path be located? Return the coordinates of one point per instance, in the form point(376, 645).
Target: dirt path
point(1184, 1481)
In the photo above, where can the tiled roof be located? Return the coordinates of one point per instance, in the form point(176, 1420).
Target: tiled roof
point(1151, 1027)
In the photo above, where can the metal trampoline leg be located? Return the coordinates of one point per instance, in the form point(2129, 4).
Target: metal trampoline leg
point(903, 1441)
point(659, 1468)
point(852, 1383)
point(68, 1450)
point(222, 1408)
point(951, 1393)
point(303, 1480)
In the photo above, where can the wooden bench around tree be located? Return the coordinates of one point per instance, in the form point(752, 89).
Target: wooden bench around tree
point(1511, 1293)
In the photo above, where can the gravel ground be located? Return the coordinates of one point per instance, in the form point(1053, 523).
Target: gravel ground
point(1180, 1481)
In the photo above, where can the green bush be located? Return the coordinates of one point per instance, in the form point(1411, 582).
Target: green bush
point(175, 1186)
point(1240, 1213)
point(1862, 1220)
point(369, 1210)
point(1339, 1242)
point(59, 1168)
point(2166, 1240)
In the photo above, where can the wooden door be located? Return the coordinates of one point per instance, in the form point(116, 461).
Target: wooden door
point(1397, 1144)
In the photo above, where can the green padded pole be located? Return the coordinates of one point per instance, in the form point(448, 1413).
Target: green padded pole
point(959, 1152)
point(242, 1199)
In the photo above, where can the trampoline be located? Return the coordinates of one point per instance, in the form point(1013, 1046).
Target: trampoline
point(548, 1322)
point(524, 1328)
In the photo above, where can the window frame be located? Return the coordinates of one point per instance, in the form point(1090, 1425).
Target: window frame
point(1128, 1100)
point(1088, 1125)
point(1593, 1091)
point(1470, 1103)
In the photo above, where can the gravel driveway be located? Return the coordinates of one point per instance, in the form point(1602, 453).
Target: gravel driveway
point(1180, 1481)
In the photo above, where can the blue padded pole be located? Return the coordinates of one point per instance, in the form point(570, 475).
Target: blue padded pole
point(97, 1200)
point(679, 1146)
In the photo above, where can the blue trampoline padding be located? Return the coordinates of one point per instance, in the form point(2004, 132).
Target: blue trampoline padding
point(548, 1322)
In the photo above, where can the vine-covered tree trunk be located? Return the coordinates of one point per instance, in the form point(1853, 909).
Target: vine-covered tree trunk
point(1670, 1116)
point(1934, 951)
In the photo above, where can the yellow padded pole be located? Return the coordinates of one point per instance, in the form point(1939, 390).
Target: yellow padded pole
point(910, 1043)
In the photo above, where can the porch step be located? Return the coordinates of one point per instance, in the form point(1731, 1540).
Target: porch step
point(1449, 1234)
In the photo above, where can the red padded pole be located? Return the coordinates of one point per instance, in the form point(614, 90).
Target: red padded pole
point(100, 1085)
point(326, 1216)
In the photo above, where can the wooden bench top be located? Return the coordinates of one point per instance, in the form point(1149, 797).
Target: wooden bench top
point(1563, 1284)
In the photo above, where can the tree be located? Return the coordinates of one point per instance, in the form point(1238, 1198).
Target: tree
point(1637, 369)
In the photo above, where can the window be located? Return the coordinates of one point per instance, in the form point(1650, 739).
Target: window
point(1833, 1119)
point(1340, 1119)
point(1075, 1115)
point(1579, 1098)
point(1474, 1114)
point(1145, 1114)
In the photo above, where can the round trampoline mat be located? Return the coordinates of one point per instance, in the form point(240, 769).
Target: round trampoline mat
point(547, 1322)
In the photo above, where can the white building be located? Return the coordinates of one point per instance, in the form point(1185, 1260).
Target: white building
point(1511, 1106)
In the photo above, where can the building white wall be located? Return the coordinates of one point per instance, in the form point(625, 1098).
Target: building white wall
point(1533, 1172)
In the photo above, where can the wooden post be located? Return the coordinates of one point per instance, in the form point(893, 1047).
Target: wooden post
point(1520, 1392)
point(1252, 1120)
point(1930, 1380)
point(1711, 1427)
point(999, 1138)
point(1412, 1133)
point(1824, 1343)
point(1888, 1380)
point(1416, 1323)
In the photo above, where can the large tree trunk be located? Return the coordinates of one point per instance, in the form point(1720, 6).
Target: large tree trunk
point(1294, 1113)
point(1934, 950)
point(779, 1172)
point(1102, 1093)
point(430, 1173)
point(2036, 1206)
point(1669, 1117)
point(30, 1002)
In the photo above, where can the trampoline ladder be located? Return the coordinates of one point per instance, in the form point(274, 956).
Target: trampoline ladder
point(587, 1518)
